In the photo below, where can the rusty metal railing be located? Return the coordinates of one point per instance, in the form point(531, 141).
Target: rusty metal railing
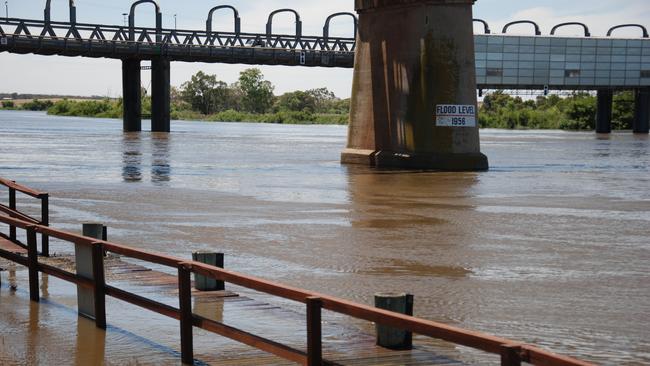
point(12, 210)
point(512, 353)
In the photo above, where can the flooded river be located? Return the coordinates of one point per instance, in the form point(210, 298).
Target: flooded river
point(551, 246)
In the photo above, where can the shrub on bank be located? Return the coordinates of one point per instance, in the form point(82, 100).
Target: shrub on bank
point(37, 105)
point(8, 104)
point(113, 109)
point(87, 108)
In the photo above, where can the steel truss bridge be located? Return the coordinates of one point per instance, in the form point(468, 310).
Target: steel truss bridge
point(47, 37)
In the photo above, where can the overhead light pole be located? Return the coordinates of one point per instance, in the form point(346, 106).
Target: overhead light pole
point(125, 19)
point(7, 10)
point(175, 24)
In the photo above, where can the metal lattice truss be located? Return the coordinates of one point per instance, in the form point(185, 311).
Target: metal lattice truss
point(92, 40)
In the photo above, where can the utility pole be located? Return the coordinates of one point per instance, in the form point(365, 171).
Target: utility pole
point(175, 25)
point(7, 10)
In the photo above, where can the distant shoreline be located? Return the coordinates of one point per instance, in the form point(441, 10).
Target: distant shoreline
point(282, 117)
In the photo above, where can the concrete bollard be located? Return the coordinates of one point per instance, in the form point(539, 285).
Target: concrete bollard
point(390, 337)
point(203, 283)
point(93, 230)
point(84, 265)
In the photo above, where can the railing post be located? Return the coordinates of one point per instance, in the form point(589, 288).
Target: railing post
point(314, 332)
point(32, 261)
point(100, 285)
point(45, 221)
point(12, 205)
point(510, 355)
point(185, 305)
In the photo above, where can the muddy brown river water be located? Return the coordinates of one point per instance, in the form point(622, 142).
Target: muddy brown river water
point(550, 247)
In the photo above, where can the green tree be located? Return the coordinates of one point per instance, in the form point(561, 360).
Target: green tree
point(257, 93)
point(623, 111)
point(8, 104)
point(324, 99)
point(298, 101)
point(580, 112)
point(37, 105)
point(205, 93)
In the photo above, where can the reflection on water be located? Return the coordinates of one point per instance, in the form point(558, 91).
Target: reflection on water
point(208, 308)
point(131, 157)
point(135, 153)
point(45, 285)
point(160, 147)
point(91, 343)
point(398, 267)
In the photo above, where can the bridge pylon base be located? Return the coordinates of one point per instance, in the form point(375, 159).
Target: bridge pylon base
point(467, 162)
point(414, 102)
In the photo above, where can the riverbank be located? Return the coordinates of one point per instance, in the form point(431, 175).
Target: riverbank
point(113, 109)
point(576, 112)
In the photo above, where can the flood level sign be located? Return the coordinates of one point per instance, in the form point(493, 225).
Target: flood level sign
point(448, 115)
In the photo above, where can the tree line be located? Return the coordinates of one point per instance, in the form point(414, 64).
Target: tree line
point(250, 99)
point(575, 112)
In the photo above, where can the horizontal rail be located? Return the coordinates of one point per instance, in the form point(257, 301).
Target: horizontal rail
point(20, 188)
point(249, 339)
point(143, 302)
point(161, 259)
point(19, 215)
point(537, 356)
point(66, 276)
point(16, 258)
point(477, 340)
point(16, 242)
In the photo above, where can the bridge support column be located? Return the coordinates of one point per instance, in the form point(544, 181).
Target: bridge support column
point(414, 90)
point(642, 110)
point(160, 95)
point(131, 95)
point(604, 111)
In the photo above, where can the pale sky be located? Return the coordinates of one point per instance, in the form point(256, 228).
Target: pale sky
point(84, 76)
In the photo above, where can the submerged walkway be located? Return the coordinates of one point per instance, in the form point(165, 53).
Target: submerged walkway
point(343, 344)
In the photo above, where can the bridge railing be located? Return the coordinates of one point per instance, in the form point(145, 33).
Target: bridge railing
point(171, 37)
point(12, 210)
point(512, 353)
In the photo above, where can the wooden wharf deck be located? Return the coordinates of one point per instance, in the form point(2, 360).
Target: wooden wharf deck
point(343, 344)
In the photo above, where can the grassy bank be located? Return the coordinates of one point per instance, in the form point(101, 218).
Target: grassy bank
point(113, 109)
point(498, 110)
point(282, 117)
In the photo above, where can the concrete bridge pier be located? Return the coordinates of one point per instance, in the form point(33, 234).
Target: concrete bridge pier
point(414, 90)
point(131, 95)
point(160, 95)
point(604, 111)
point(642, 110)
